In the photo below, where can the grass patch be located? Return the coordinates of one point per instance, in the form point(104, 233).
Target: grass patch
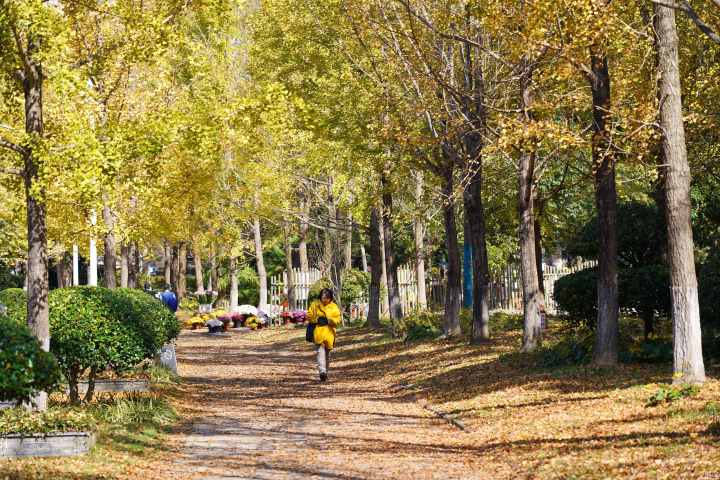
point(54, 420)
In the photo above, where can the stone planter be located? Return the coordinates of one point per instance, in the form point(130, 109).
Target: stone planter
point(46, 445)
point(205, 308)
point(4, 405)
point(115, 386)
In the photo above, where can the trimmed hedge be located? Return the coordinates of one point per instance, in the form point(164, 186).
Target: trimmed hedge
point(94, 329)
point(16, 302)
point(25, 368)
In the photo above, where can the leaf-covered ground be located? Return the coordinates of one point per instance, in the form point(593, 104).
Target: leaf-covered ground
point(251, 407)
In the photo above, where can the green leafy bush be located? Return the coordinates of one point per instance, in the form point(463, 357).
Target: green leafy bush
point(355, 286)
point(189, 303)
point(650, 351)
point(89, 333)
point(644, 289)
point(669, 394)
point(572, 349)
point(248, 287)
point(419, 325)
point(576, 294)
point(316, 287)
point(9, 279)
point(147, 315)
point(15, 300)
point(54, 420)
point(25, 368)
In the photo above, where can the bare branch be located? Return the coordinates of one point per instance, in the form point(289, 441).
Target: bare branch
point(14, 147)
point(692, 14)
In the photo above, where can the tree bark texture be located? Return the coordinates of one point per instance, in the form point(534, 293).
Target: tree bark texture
point(289, 269)
point(606, 339)
point(260, 262)
point(233, 284)
point(419, 236)
point(199, 277)
point(38, 312)
point(391, 266)
point(124, 265)
point(384, 297)
point(688, 366)
point(133, 265)
point(167, 263)
point(475, 213)
point(532, 295)
point(110, 254)
point(376, 260)
point(363, 256)
point(453, 291)
point(182, 271)
point(304, 227)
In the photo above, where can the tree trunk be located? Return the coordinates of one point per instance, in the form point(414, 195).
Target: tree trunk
point(289, 269)
point(110, 256)
point(532, 292)
point(76, 265)
point(384, 297)
point(453, 291)
point(93, 267)
point(175, 270)
point(688, 366)
point(391, 267)
point(538, 250)
point(260, 261)
point(475, 214)
point(134, 265)
point(376, 270)
point(233, 284)
point(212, 282)
point(199, 278)
point(168, 263)
point(606, 340)
point(347, 261)
point(363, 257)
point(419, 234)
point(182, 271)
point(63, 271)
point(304, 227)
point(124, 265)
point(38, 313)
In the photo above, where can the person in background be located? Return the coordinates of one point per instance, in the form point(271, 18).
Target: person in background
point(169, 298)
point(325, 315)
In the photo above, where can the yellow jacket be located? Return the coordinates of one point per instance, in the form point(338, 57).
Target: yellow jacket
point(325, 334)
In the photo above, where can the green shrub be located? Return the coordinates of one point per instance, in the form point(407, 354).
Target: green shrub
point(94, 329)
point(54, 420)
point(669, 394)
point(315, 288)
point(576, 294)
point(25, 369)
point(419, 325)
point(649, 351)
point(248, 287)
point(189, 303)
point(9, 279)
point(89, 333)
point(147, 315)
point(572, 349)
point(644, 289)
point(15, 300)
point(355, 286)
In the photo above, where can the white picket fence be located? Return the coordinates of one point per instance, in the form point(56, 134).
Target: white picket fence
point(302, 281)
point(505, 290)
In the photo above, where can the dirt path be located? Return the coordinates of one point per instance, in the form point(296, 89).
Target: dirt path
point(257, 411)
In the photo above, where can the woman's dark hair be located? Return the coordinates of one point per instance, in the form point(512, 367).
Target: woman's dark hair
point(328, 292)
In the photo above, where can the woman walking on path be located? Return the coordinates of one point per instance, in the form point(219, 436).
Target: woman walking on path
point(324, 316)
